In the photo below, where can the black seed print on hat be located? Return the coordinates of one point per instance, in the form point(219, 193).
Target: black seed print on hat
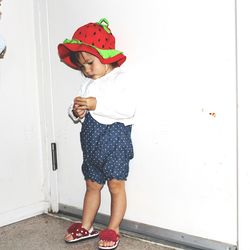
point(99, 40)
point(80, 33)
point(103, 46)
point(93, 44)
point(94, 33)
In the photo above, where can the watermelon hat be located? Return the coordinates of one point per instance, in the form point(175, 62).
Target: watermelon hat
point(93, 38)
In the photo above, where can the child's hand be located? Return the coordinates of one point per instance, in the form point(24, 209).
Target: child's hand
point(78, 111)
point(83, 104)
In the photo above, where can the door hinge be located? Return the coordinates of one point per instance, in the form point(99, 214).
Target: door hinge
point(54, 156)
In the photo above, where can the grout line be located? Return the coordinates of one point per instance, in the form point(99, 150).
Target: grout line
point(61, 217)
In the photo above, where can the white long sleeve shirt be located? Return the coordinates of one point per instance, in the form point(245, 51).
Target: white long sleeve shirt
point(114, 96)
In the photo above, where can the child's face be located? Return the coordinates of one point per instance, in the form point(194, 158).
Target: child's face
point(91, 66)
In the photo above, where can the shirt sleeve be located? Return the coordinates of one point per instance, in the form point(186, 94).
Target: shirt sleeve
point(70, 109)
point(71, 114)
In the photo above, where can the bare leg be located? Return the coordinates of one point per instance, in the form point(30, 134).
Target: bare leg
point(91, 204)
point(118, 207)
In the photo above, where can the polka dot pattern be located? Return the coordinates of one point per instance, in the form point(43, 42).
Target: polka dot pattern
point(107, 150)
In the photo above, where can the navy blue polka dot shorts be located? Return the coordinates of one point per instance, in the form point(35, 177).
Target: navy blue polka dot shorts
point(107, 150)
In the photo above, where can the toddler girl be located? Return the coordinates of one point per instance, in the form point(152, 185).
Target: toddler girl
point(105, 107)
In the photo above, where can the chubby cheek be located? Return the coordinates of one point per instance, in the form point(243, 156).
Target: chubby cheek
point(100, 70)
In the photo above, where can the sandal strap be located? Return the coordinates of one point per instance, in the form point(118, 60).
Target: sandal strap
point(77, 231)
point(73, 227)
point(109, 235)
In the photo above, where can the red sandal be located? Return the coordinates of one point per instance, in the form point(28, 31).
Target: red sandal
point(79, 233)
point(109, 235)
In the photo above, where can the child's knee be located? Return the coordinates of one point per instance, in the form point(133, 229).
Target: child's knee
point(93, 186)
point(116, 186)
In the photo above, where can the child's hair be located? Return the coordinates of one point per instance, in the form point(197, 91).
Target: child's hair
point(74, 57)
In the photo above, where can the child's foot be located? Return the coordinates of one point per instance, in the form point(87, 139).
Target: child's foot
point(109, 239)
point(76, 233)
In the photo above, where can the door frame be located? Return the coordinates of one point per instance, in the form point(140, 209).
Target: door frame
point(45, 101)
point(242, 9)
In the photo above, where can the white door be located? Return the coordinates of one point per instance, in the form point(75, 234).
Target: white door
point(22, 189)
point(185, 140)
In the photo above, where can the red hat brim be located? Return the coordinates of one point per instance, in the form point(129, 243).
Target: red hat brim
point(65, 50)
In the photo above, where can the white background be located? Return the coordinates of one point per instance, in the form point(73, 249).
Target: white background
point(182, 57)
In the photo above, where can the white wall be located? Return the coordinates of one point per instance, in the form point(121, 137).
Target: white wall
point(21, 178)
point(182, 56)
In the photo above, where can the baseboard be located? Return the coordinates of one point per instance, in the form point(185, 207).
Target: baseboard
point(23, 213)
point(159, 234)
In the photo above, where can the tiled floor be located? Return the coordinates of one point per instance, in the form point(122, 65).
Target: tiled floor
point(46, 232)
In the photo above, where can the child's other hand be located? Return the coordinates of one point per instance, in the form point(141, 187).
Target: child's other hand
point(78, 111)
point(82, 103)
